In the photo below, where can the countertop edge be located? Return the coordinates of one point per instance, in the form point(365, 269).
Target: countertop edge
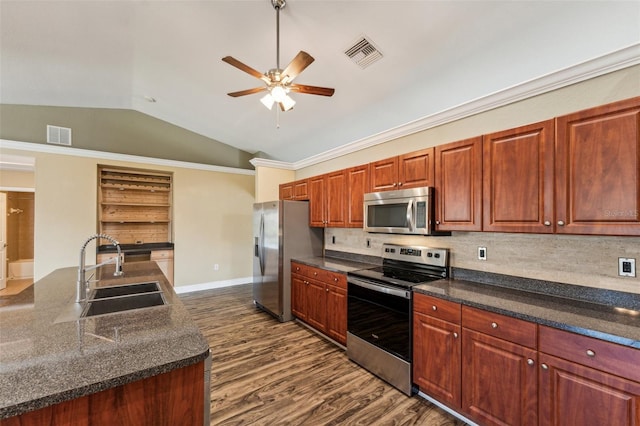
point(49, 400)
point(612, 338)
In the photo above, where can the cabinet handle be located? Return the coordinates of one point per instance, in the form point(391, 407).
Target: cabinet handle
point(335, 279)
point(455, 335)
point(395, 184)
point(544, 366)
point(437, 222)
point(560, 223)
point(434, 307)
point(315, 273)
point(591, 353)
point(494, 325)
point(400, 184)
point(547, 223)
point(327, 289)
point(530, 361)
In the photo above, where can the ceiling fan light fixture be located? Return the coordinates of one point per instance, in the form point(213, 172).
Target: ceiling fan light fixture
point(278, 93)
point(267, 100)
point(287, 103)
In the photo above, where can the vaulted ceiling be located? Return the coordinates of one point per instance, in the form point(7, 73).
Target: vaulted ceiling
point(435, 55)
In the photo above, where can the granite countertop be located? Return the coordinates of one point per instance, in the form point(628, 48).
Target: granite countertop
point(334, 264)
point(600, 320)
point(133, 248)
point(44, 362)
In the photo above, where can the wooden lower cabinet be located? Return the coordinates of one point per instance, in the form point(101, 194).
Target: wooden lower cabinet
point(499, 381)
point(515, 372)
point(586, 381)
point(572, 394)
point(437, 347)
point(319, 298)
point(173, 398)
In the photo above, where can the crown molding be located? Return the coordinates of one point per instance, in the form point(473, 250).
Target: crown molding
point(274, 164)
point(76, 152)
point(605, 64)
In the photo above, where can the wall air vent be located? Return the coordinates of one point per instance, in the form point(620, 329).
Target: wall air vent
point(58, 135)
point(363, 52)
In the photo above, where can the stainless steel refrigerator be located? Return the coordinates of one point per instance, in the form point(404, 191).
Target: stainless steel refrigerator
point(280, 231)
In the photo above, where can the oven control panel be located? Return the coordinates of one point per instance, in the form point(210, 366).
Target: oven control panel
point(416, 254)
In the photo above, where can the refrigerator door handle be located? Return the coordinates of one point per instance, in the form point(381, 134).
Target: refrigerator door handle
point(260, 247)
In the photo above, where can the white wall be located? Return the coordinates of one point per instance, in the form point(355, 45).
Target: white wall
point(212, 216)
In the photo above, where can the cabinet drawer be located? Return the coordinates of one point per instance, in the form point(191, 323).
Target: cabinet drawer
point(437, 308)
point(500, 326)
point(300, 269)
point(334, 278)
point(605, 356)
point(161, 254)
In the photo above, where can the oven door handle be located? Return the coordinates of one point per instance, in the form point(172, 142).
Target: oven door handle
point(380, 288)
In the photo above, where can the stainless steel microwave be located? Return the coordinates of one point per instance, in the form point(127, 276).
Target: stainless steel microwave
point(406, 211)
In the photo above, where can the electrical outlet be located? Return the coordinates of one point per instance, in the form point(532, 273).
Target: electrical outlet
point(626, 267)
point(216, 267)
point(482, 253)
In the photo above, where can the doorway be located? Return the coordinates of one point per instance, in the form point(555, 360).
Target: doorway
point(19, 240)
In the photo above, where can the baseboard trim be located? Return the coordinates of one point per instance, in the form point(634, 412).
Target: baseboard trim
point(211, 285)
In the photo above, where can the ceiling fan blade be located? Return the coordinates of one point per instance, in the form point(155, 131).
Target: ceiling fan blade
point(246, 68)
point(312, 90)
point(247, 92)
point(297, 65)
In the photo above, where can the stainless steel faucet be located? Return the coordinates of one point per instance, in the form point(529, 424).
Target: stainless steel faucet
point(83, 284)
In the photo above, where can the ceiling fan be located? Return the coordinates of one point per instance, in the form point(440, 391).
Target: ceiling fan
point(279, 82)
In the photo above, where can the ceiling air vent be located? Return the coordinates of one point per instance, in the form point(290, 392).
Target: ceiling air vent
point(58, 135)
point(363, 52)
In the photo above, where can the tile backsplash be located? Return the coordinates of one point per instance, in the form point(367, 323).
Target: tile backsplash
point(590, 261)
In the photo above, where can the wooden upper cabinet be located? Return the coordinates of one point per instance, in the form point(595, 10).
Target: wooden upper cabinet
point(327, 199)
point(336, 199)
point(458, 185)
point(285, 191)
point(518, 179)
point(317, 201)
point(416, 169)
point(298, 190)
point(357, 186)
point(411, 170)
point(384, 175)
point(598, 170)
point(301, 190)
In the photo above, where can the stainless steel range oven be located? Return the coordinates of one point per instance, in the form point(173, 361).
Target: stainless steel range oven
point(379, 310)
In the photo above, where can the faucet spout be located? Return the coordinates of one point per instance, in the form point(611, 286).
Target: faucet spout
point(83, 284)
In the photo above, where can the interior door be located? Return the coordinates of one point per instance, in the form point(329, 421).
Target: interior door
point(3, 240)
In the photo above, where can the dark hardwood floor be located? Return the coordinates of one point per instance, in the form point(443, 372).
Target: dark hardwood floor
point(269, 373)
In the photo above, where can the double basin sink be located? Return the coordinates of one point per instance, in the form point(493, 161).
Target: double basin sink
point(107, 300)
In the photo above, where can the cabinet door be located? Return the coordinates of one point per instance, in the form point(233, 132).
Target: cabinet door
point(436, 358)
point(572, 394)
point(336, 313)
point(317, 208)
point(301, 190)
point(336, 199)
point(416, 169)
point(384, 174)
point(518, 179)
point(316, 303)
point(458, 185)
point(500, 384)
point(598, 170)
point(357, 186)
point(286, 191)
point(298, 297)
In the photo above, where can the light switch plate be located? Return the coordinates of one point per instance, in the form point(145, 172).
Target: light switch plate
point(626, 267)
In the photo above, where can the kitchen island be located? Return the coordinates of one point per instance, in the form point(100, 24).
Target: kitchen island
point(146, 366)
